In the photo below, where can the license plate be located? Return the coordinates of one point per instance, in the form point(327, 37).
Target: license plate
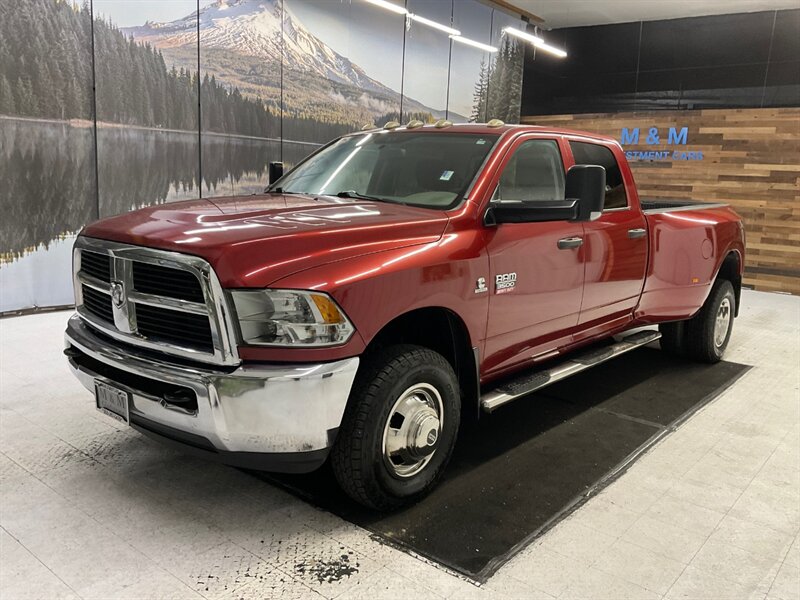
point(112, 401)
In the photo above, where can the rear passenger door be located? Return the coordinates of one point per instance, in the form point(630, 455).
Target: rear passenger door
point(615, 247)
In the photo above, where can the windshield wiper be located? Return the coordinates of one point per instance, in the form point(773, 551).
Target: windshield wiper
point(358, 196)
point(281, 191)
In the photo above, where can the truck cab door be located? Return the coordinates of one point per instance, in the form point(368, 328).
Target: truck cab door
point(615, 245)
point(536, 269)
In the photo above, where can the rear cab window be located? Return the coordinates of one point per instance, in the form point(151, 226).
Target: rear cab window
point(586, 153)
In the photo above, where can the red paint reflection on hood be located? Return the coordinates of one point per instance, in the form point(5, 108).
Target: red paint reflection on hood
point(252, 241)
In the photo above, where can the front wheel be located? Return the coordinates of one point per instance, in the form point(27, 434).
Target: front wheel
point(399, 428)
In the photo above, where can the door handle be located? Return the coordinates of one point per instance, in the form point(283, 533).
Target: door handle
point(635, 234)
point(570, 242)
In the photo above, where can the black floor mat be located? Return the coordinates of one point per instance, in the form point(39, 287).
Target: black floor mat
point(520, 469)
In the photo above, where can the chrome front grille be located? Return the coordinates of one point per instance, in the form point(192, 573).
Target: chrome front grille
point(155, 299)
point(97, 265)
point(98, 303)
point(163, 281)
point(172, 326)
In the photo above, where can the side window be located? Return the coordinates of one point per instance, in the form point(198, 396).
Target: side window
point(535, 172)
point(593, 154)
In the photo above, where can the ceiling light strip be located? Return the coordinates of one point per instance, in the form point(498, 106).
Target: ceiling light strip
point(455, 34)
point(433, 24)
point(400, 10)
point(473, 43)
point(552, 50)
point(536, 41)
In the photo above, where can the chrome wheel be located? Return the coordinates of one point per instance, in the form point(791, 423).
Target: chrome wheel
point(412, 430)
point(722, 322)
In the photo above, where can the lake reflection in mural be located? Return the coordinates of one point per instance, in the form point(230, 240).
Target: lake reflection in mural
point(45, 163)
point(47, 175)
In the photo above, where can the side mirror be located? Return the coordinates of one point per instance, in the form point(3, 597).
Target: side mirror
point(585, 190)
point(587, 183)
point(274, 172)
point(518, 211)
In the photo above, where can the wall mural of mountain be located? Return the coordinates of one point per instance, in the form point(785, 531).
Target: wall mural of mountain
point(275, 79)
point(256, 28)
point(241, 43)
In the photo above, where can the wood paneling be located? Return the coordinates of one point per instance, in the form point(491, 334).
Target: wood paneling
point(751, 160)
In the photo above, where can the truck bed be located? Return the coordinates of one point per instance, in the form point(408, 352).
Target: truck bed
point(688, 242)
point(670, 204)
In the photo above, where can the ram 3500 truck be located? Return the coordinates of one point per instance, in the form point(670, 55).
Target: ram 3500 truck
point(393, 283)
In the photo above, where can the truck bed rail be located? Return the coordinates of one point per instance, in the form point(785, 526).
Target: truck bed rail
point(661, 205)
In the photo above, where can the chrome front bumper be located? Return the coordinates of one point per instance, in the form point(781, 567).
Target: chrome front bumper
point(275, 417)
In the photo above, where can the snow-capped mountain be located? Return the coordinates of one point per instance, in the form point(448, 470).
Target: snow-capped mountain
point(253, 28)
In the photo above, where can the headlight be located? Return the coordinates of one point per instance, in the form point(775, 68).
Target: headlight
point(290, 318)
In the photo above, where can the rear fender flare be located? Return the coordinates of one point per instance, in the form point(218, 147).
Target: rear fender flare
point(736, 281)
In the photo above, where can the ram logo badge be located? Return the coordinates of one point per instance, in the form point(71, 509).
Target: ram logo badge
point(504, 283)
point(117, 293)
point(481, 286)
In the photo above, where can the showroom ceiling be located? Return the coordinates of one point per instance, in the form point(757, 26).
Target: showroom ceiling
point(574, 13)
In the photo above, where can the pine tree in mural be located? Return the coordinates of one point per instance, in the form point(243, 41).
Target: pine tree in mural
point(45, 69)
point(425, 117)
point(479, 96)
point(26, 102)
point(7, 104)
point(498, 90)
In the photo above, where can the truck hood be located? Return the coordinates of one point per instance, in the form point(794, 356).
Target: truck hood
point(253, 241)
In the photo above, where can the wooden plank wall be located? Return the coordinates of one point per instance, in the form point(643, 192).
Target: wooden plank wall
point(751, 161)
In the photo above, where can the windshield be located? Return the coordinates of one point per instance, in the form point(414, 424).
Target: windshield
point(423, 169)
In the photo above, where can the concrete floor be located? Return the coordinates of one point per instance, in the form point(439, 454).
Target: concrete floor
point(90, 509)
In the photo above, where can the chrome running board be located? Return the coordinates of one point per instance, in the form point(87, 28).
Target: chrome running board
point(531, 381)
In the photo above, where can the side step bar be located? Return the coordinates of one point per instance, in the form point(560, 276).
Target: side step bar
point(536, 380)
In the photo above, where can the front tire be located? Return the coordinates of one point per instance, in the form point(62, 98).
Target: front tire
point(399, 428)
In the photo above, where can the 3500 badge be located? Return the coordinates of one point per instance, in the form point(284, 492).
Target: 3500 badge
point(504, 282)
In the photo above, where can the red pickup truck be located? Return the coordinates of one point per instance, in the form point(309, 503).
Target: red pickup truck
point(394, 282)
